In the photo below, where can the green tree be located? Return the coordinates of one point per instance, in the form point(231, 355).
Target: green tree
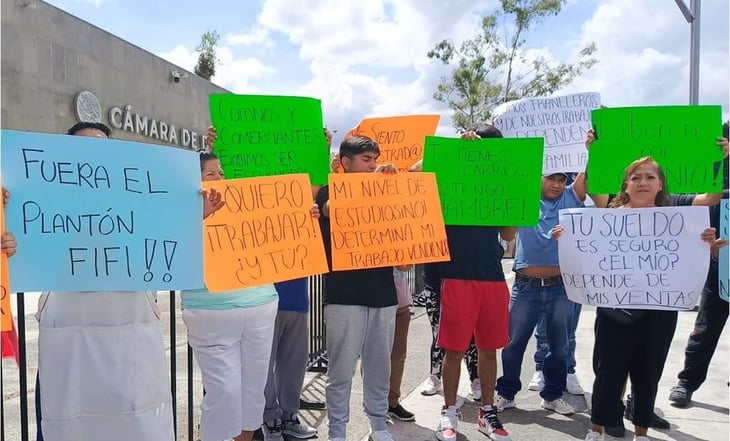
point(207, 58)
point(492, 67)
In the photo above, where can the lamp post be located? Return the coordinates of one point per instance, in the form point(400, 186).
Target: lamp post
point(692, 15)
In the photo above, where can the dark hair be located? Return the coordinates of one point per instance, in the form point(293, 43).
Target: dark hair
point(662, 198)
point(356, 145)
point(485, 130)
point(205, 157)
point(90, 125)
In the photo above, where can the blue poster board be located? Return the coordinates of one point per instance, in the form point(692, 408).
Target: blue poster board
point(94, 214)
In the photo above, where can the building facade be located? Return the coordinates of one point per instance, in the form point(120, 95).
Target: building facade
point(58, 70)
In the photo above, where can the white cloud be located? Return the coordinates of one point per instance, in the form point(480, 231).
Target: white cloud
point(256, 36)
point(232, 73)
point(643, 52)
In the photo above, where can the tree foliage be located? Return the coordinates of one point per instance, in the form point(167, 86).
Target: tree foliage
point(207, 58)
point(492, 67)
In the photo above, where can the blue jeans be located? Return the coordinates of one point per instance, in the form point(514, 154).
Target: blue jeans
point(527, 302)
point(541, 349)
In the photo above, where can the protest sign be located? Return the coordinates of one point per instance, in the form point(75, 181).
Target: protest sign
point(400, 138)
point(93, 214)
point(562, 121)
point(724, 282)
point(260, 135)
point(682, 139)
point(6, 314)
point(641, 258)
point(493, 181)
point(264, 234)
point(380, 219)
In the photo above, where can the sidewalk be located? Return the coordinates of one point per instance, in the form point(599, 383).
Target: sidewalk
point(706, 419)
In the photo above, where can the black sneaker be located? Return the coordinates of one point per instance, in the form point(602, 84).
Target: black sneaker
point(616, 431)
point(657, 422)
point(680, 396)
point(400, 413)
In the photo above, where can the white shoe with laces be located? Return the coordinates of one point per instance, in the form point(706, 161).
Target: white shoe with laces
point(537, 382)
point(558, 405)
point(448, 424)
point(594, 436)
point(432, 386)
point(380, 435)
point(572, 385)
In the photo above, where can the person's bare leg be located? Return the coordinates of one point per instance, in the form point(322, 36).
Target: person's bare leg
point(597, 428)
point(244, 436)
point(640, 431)
point(487, 368)
point(450, 372)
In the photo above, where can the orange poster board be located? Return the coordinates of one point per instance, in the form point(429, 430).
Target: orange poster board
point(5, 311)
point(380, 220)
point(264, 234)
point(400, 138)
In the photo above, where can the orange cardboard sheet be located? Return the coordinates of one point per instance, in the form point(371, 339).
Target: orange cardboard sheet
point(380, 220)
point(264, 234)
point(5, 311)
point(400, 138)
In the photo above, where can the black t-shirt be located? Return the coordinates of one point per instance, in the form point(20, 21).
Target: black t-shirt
point(374, 288)
point(476, 254)
point(431, 277)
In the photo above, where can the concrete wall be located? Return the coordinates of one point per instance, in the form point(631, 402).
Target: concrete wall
point(49, 56)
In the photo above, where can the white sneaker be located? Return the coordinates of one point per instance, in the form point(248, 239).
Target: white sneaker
point(537, 382)
point(501, 403)
point(297, 429)
point(432, 386)
point(572, 385)
point(558, 406)
point(476, 390)
point(336, 439)
point(594, 436)
point(448, 424)
point(641, 438)
point(380, 435)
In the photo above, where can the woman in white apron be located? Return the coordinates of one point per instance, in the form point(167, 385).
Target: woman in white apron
point(101, 359)
point(102, 367)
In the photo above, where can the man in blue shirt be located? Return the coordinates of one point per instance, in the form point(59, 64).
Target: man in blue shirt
point(538, 289)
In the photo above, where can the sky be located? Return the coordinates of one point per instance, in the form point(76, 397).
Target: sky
point(368, 58)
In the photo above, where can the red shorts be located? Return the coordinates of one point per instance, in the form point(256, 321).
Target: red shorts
point(473, 308)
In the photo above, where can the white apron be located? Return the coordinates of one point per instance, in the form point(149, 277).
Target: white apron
point(102, 366)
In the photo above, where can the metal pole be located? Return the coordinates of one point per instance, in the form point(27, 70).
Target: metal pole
point(694, 60)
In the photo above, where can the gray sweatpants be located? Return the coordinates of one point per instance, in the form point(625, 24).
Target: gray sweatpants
point(289, 354)
point(367, 332)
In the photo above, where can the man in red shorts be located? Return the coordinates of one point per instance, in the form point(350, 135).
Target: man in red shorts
point(474, 301)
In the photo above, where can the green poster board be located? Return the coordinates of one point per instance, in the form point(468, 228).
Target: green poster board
point(495, 181)
point(682, 139)
point(261, 135)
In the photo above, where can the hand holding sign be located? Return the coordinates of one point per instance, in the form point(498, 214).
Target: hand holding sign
point(102, 215)
point(635, 258)
point(267, 232)
point(682, 139)
point(259, 135)
point(493, 181)
point(562, 121)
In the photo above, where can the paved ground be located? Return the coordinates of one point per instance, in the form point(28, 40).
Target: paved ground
point(707, 419)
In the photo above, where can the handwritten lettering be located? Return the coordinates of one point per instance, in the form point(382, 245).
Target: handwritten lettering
point(264, 234)
point(380, 220)
point(634, 258)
